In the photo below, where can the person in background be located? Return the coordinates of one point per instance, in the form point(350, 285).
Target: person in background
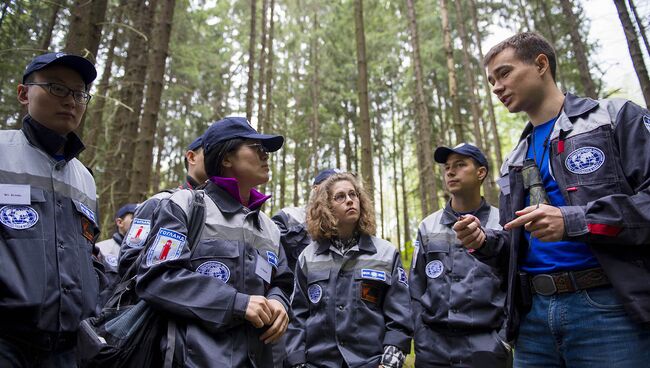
point(109, 249)
point(458, 298)
point(229, 296)
point(49, 279)
point(351, 303)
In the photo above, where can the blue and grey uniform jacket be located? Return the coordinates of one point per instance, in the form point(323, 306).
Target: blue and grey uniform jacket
point(452, 290)
point(348, 307)
point(208, 289)
point(48, 279)
point(293, 232)
point(600, 158)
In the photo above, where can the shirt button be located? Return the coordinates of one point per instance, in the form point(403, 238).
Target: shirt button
point(454, 310)
point(342, 343)
point(66, 290)
point(341, 307)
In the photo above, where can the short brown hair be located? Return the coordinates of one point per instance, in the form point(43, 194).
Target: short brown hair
point(527, 46)
point(322, 224)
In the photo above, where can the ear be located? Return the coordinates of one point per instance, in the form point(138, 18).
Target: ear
point(118, 221)
point(227, 162)
point(191, 157)
point(22, 94)
point(482, 173)
point(542, 64)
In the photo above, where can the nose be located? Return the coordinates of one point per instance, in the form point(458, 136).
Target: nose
point(497, 88)
point(69, 100)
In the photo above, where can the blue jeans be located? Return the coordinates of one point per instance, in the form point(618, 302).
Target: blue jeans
point(588, 328)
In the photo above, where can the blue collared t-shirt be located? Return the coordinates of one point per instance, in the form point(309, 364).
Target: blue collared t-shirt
point(546, 257)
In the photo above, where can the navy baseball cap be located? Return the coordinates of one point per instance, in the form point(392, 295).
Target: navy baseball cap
point(465, 149)
point(198, 143)
point(238, 127)
point(77, 63)
point(126, 209)
point(324, 174)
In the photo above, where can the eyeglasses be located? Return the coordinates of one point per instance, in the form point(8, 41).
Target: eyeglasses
point(340, 197)
point(259, 147)
point(59, 90)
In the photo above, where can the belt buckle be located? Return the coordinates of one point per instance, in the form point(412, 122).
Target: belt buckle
point(544, 285)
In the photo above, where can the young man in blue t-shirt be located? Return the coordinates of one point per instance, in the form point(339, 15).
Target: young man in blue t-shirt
point(575, 204)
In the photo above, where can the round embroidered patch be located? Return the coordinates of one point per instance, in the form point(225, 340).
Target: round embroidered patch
point(111, 260)
point(215, 269)
point(434, 269)
point(315, 292)
point(18, 217)
point(585, 160)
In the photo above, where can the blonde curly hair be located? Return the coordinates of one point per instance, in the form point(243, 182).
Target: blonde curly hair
point(321, 223)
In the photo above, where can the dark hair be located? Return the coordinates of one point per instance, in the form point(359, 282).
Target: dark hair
point(217, 153)
point(527, 46)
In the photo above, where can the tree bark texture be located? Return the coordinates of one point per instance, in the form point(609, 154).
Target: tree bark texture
point(579, 50)
point(251, 62)
point(635, 50)
point(451, 69)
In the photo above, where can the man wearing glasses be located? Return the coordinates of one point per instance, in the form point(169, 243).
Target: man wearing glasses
point(48, 223)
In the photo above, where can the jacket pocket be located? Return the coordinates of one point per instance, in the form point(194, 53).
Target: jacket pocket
point(218, 258)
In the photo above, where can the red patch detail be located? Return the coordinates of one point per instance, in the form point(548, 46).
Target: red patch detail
point(87, 229)
point(571, 189)
point(560, 146)
point(603, 229)
point(370, 292)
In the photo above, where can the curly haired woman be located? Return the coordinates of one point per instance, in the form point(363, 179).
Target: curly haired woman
point(351, 303)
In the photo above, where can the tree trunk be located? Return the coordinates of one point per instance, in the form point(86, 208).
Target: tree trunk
point(347, 148)
point(160, 147)
point(379, 138)
point(283, 177)
point(524, 16)
point(93, 139)
point(589, 88)
point(405, 207)
point(145, 141)
point(315, 96)
point(451, 67)
point(398, 241)
point(47, 35)
point(635, 50)
point(362, 89)
point(261, 68)
point(547, 17)
point(85, 29)
point(269, 73)
point(121, 140)
point(251, 63)
point(487, 90)
point(639, 23)
point(428, 190)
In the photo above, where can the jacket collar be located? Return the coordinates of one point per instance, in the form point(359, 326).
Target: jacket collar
point(49, 141)
point(365, 245)
point(231, 185)
point(222, 198)
point(118, 237)
point(190, 183)
point(449, 219)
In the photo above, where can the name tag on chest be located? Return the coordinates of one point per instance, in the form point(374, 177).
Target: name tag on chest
point(263, 269)
point(14, 194)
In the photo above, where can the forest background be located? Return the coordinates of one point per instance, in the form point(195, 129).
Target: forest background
point(366, 86)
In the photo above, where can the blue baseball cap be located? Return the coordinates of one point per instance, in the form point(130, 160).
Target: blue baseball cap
point(196, 144)
point(465, 149)
point(126, 209)
point(238, 127)
point(324, 174)
point(77, 63)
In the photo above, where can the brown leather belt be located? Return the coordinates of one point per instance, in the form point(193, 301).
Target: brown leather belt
point(567, 282)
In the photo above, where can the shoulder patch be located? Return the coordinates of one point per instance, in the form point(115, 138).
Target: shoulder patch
point(414, 256)
point(167, 246)
point(371, 274)
point(138, 232)
point(215, 269)
point(88, 212)
point(401, 274)
point(585, 160)
point(434, 269)
point(18, 217)
point(646, 122)
point(315, 292)
point(272, 258)
point(111, 260)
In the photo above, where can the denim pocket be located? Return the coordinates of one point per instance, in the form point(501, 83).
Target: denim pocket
point(602, 298)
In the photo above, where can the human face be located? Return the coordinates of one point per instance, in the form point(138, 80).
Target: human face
point(462, 175)
point(347, 211)
point(123, 224)
point(517, 84)
point(60, 114)
point(248, 164)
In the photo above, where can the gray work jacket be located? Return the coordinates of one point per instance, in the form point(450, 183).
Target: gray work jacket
point(48, 281)
point(293, 232)
point(348, 307)
point(207, 290)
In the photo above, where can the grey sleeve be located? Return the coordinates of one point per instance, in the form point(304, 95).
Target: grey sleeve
point(300, 311)
point(397, 309)
point(282, 282)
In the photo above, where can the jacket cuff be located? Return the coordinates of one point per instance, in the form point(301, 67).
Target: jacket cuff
point(399, 339)
point(277, 294)
point(575, 224)
point(282, 301)
point(296, 357)
point(489, 247)
point(241, 303)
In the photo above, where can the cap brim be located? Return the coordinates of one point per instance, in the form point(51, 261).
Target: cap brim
point(81, 65)
point(441, 154)
point(271, 142)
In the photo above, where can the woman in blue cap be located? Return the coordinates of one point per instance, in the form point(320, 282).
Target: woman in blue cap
point(229, 295)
